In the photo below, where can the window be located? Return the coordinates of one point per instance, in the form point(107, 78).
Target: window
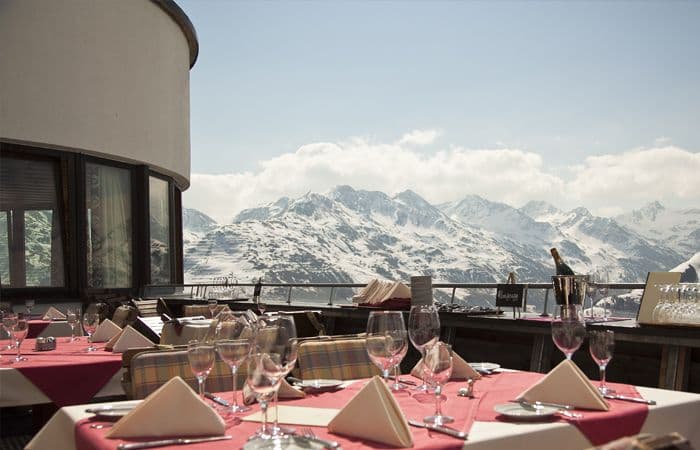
point(109, 226)
point(159, 205)
point(31, 231)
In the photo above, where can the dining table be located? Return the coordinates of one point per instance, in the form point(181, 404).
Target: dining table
point(68, 375)
point(73, 428)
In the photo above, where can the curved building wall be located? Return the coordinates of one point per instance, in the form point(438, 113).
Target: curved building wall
point(107, 78)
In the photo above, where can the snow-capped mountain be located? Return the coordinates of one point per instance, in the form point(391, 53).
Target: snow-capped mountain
point(679, 230)
point(195, 224)
point(349, 235)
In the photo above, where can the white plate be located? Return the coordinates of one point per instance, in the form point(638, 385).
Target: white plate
point(320, 384)
point(113, 411)
point(516, 411)
point(484, 366)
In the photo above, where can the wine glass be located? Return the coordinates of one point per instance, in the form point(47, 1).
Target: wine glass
point(29, 305)
point(423, 330)
point(386, 334)
point(233, 342)
point(19, 332)
point(201, 356)
point(437, 369)
point(398, 349)
point(601, 346)
point(91, 319)
point(9, 320)
point(277, 336)
point(600, 279)
point(264, 380)
point(212, 303)
point(568, 334)
point(72, 315)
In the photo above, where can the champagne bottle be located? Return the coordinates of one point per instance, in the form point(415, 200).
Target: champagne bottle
point(562, 267)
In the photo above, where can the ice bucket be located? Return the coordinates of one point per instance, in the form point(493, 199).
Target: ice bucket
point(570, 289)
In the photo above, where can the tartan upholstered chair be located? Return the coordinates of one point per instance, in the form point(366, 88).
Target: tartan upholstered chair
point(339, 359)
point(151, 369)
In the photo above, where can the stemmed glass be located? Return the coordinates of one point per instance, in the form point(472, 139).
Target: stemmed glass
point(423, 330)
point(386, 337)
point(568, 333)
point(91, 319)
point(277, 336)
point(437, 369)
point(9, 319)
point(233, 342)
point(72, 315)
point(600, 280)
point(29, 305)
point(601, 346)
point(201, 356)
point(264, 380)
point(19, 332)
point(211, 303)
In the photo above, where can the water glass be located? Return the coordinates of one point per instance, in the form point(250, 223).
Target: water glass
point(423, 330)
point(386, 339)
point(29, 305)
point(72, 315)
point(201, 356)
point(601, 345)
point(9, 320)
point(212, 303)
point(437, 369)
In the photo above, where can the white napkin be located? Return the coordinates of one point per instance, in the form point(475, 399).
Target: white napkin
point(286, 390)
point(128, 338)
point(373, 414)
point(52, 313)
point(461, 370)
point(106, 331)
point(567, 385)
point(172, 410)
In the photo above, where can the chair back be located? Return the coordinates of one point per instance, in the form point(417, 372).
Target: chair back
point(202, 310)
point(146, 307)
point(308, 323)
point(151, 369)
point(339, 359)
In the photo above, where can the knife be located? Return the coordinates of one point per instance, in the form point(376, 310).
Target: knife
point(164, 442)
point(553, 405)
point(630, 399)
point(216, 399)
point(440, 429)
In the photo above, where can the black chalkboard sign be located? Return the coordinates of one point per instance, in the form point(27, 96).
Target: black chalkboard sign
point(510, 295)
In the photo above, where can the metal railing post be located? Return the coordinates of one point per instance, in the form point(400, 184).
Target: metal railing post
point(289, 296)
point(330, 299)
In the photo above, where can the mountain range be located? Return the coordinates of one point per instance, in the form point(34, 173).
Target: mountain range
point(348, 235)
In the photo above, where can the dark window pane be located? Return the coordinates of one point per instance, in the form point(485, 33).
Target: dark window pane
point(109, 226)
point(31, 235)
point(160, 231)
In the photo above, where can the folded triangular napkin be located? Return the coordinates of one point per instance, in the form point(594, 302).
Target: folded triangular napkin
point(128, 338)
point(52, 313)
point(566, 384)
point(161, 414)
point(106, 331)
point(461, 370)
point(373, 414)
point(286, 391)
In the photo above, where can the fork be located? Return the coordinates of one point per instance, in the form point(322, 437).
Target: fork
point(309, 434)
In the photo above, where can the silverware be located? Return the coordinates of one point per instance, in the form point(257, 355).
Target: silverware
point(440, 429)
point(308, 433)
point(630, 399)
point(164, 442)
point(539, 405)
point(216, 399)
point(553, 405)
point(102, 409)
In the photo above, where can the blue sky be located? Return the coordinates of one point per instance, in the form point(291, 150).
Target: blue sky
point(557, 91)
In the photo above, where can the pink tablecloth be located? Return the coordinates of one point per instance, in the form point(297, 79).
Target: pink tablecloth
point(68, 375)
point(598, 427)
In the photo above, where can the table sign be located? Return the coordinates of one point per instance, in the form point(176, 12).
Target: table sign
point(651, 295)
point(511, 295)
point(421, 290)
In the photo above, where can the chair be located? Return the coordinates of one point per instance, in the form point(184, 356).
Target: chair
point(147, 307)
point(340, 359)
point(148, 370)
point(308, 323)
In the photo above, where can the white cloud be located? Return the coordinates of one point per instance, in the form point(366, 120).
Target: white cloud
point(605, 184)
point(419, 137)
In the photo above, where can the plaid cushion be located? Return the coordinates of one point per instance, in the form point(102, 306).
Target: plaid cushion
point(202, 310)
point(150, 370)
point(344, 359)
